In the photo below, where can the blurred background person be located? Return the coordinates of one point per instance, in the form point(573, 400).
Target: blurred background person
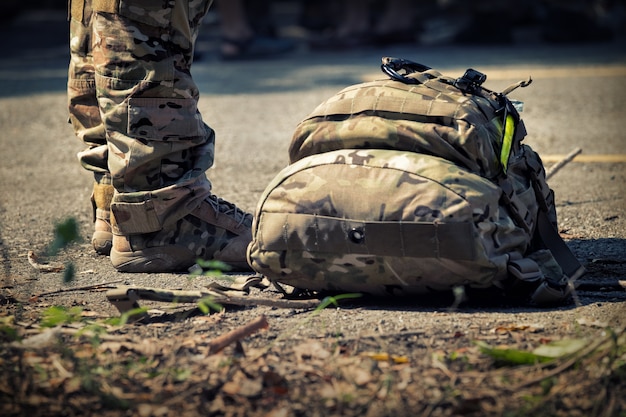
point(362, 23)
point(239, 40)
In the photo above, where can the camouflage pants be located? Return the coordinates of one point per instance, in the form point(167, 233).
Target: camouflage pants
point(133, 102)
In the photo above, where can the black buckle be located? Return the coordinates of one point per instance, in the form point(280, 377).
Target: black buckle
point(471, 81)
point(394, 66)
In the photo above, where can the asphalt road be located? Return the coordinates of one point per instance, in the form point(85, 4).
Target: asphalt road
point(577, 99)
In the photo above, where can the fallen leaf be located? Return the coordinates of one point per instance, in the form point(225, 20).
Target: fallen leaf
point(42, 267)
point(385, 357)
point(280, 412)
point(511, 356)
point(311, 350)
point(561, 348)
point(44, 339)
point(361, 377)
point(592, 323)
point(113, 347)
point(244, 386)
point(516, 328)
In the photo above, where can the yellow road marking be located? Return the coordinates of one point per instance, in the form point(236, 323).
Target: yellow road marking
point(602, 158)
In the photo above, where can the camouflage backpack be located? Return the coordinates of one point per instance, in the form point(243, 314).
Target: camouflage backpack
point(413, 184)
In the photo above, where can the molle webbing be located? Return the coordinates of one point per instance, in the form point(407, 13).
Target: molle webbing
point(321, 234)
point(408, 102)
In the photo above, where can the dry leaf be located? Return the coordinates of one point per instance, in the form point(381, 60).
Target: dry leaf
point(361, 377)
point(385, 357)
point(34, 261)
point(311, 350)
point(516, 328)
point(592, 323)
point(244, 386)
point(279, 412)
point(45, 339)
point(113, 347)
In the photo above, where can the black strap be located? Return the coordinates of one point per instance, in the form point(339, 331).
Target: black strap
point(550, 236)
point(392, 67)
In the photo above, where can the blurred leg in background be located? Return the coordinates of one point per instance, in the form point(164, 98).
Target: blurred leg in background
point(239, 38)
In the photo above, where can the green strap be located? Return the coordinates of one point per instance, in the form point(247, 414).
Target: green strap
point(322, 234)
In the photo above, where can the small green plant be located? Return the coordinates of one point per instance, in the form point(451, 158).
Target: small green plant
point(209, 268)
point(334, 300)
point(65, 232)
point(128, 316)
point(544, 353)
point(8, 333)
point(69, 272)
point(180, 375)
point(207, 304)
point(93, 331)
point(58, 315)
point(326, 301)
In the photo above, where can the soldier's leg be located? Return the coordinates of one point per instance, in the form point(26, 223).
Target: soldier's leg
point(164, 216)
point(86, 121)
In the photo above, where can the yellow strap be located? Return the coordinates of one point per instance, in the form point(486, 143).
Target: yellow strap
point(507, 141)
point(77, 9)
point(106, 6)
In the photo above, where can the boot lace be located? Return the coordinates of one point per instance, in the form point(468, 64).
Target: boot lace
point(222, 206)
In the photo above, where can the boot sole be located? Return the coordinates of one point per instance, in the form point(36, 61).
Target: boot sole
point(102, 242)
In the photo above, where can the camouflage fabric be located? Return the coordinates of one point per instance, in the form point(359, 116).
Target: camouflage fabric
point(83, 104)
point(399, 189)
point(383, 222)
point(133, 102)
point(215, 230)
point(432, 118)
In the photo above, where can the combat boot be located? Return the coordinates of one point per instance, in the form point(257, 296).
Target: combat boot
point(102, 237)
point(216, 230)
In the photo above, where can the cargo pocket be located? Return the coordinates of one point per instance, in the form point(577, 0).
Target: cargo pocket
point(164, 119)
point(135, 218)
point(156, 13)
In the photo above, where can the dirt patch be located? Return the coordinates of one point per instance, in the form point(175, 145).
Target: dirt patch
point(361, 357)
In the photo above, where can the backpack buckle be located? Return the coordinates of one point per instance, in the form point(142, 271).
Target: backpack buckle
point(524, 278)
point(471, 81)
point(392, 67)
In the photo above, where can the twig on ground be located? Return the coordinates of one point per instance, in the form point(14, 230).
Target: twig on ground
point(239, 333)
point(258, 301)
point(125, 298)
point(568, 158)
point(83, 288)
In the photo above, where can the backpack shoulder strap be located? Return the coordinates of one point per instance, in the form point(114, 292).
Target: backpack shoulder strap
point(545, 228)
